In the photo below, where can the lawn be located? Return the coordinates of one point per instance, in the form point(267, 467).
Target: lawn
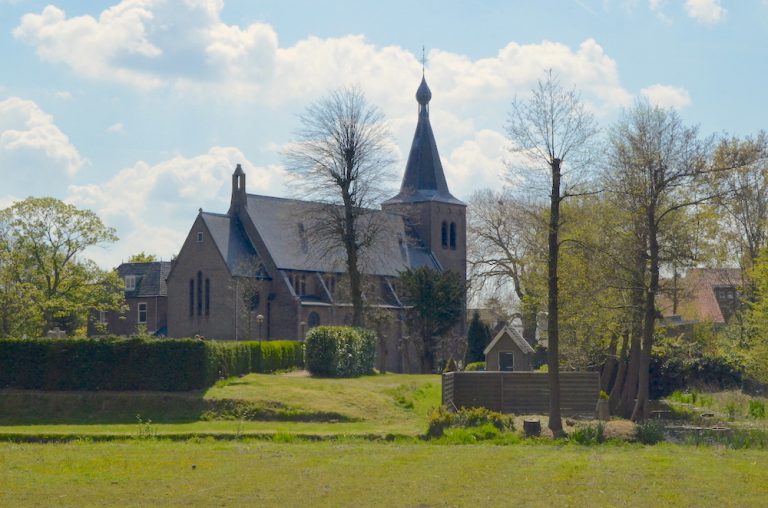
point(259, 473)
point(256, 403)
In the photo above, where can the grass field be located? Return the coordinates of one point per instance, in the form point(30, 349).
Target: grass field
point(257, 403)
point(147, 473)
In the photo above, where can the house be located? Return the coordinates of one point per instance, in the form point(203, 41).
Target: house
point(509, 351)
point(146, 295)
point(704, 294)
point(255, 272)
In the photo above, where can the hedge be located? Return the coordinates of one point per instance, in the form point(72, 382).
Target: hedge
point(340, 351)
point(136, 364)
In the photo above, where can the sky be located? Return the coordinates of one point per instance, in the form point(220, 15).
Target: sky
point(140, 109)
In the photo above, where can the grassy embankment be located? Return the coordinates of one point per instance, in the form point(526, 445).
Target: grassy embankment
point(253, 404)
point(260, 473)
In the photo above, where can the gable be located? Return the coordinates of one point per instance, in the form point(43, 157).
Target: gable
point(233, 245)
point(509, 337)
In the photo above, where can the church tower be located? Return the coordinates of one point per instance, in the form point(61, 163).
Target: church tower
point(437, 218)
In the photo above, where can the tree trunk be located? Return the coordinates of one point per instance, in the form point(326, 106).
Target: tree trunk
point(618, 383)
point(350, 245)
point(553, 362)
point(640, 411)
point(626, 401)
point(610, 365)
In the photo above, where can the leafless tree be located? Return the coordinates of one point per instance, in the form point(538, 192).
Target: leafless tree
point(341, 158)
point(552, 134)
point(505, 242)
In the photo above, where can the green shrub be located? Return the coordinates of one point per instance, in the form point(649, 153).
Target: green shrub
point(732, 408)
point(136, 363)
point(756, 409)
point(589, 434)
point(340, 351)
point(441, 419)
point(475, 366)
point(650, 432)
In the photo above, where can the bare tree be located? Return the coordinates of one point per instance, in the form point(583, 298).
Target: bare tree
point(341, 158)
point(553, 134)
point(505, 246)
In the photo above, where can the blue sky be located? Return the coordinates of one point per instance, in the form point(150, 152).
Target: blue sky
point(140, 109)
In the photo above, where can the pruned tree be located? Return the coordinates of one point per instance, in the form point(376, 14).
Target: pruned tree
point(435, 302)
point(657, 164)
point(478, 337)
point(47, 240)
point(552, 136)
point(505, 246)
point(341, 158)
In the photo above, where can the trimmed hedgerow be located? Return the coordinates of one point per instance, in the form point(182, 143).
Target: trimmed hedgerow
point(136, 364)
point(340, 351)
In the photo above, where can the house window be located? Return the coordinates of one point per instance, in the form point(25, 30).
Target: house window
point(102, 317)
point(199, 293)
point(142, 313)
point(453, 235)
point(330, 283)
point(199, 237)
point(130, 282)
point(207, 297)
point(313, 320)
point(299, 283)
point(191, 297)
point(444, 234)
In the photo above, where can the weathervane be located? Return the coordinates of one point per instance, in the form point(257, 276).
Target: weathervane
point(423, 60)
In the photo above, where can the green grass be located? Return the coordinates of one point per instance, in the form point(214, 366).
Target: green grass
point(257, 403)
point(150, 473)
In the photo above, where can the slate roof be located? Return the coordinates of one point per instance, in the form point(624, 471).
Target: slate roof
point(232, 243)
point(285, 227)
point(150, 278)
point(516, 338)
point(424, 178)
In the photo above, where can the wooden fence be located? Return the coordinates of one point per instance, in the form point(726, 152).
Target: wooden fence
point(521, 392)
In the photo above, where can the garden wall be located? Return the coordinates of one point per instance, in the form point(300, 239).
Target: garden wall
point(521, 392)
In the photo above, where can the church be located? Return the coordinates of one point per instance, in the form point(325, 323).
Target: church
point(253, 273)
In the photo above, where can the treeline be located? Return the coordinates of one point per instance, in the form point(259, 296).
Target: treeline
point(137, 363)
point(656, 199)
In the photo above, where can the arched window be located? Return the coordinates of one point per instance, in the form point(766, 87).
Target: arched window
point(199, 293)
point(444, 234)
point(191, 297)
point(313, 320)
point(207, 297)
point(453, 235)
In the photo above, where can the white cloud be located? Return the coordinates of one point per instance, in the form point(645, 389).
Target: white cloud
point(63, 94)
point(707, 12)
point(117, 128)
point(476, 163)
point(187, 47)
point(135, 197)
point(667, 96)
point(30, 139)
point(657, 7)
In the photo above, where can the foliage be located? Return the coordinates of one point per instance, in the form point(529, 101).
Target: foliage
point(441, 419)
point(42, 241)
point(142, 257)
point(450, 366)
point(588, 434)
point(136, 364)
point(650, 432)
point(756, 409)
point(475, 366)
point(478, 337)
point(342, 159)
point(435, 303)
point(340, 351)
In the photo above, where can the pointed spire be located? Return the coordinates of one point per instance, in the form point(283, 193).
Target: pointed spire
point(424, 178)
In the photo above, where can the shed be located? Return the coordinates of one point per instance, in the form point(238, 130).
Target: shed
point(509, 351)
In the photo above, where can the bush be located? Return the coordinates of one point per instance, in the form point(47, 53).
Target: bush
point(756, 409)
point(441, 419)
point(650, 432)
point(137, 363)
point(475, 366)
point(589, 434)
point(340, 351)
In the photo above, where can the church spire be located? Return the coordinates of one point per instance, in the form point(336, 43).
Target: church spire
point(424, 179)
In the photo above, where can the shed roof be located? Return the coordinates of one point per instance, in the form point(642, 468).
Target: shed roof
point(516, 338)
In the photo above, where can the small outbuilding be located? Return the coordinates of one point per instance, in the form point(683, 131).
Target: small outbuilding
point(509, 351)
